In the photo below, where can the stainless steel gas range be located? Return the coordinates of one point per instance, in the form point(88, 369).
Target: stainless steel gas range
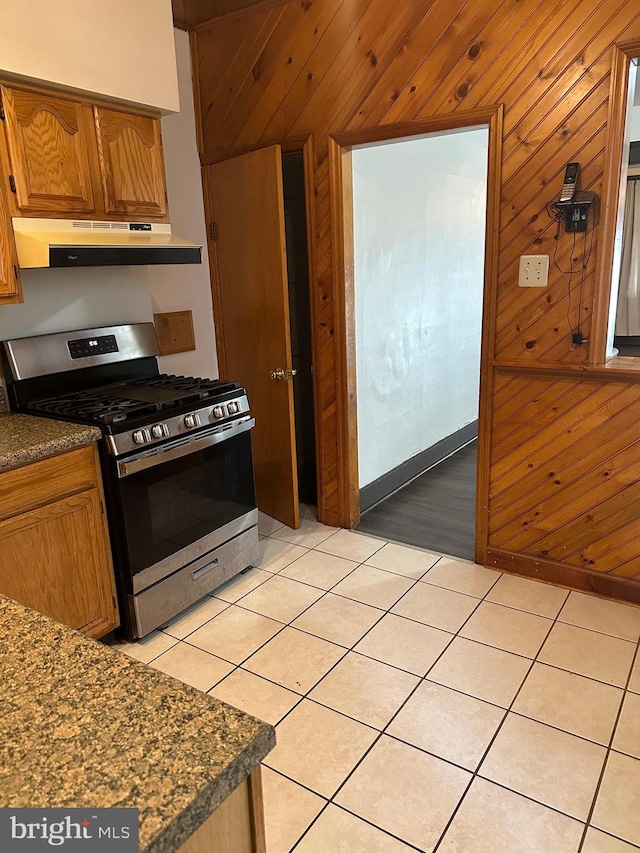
point(176, 461)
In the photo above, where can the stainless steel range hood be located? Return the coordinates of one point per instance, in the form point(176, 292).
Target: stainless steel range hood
point(84, 243)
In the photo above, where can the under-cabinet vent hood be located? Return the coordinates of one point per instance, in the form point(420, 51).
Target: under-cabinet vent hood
point(72, 243)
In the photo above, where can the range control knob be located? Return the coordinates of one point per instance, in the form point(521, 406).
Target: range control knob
point(192, 421)
point(233, 408)
point(159, 430)
point(141, 436)
point(218, 411)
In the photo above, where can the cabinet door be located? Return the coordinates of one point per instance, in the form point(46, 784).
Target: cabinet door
point(55, 559)
point(130, 148)
point(49, 149)
point(9, 275)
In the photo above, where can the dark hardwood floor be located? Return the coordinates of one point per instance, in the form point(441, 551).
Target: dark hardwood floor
point(436, 511)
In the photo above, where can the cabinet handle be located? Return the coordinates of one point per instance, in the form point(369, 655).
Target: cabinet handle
point(203, 571)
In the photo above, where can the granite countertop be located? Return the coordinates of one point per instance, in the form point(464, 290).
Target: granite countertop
point(83, 725)
point(25, 438)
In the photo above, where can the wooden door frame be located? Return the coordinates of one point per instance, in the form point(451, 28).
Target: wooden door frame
point(610, 204)
point(340, 148)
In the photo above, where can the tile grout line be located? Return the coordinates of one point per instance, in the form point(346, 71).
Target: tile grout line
point(379, 735)
point(506, 714)
point(476, 773)
point(382, 733)
point(421, 679)
point(609, 749)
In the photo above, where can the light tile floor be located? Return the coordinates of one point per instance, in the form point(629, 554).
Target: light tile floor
point(421, 702)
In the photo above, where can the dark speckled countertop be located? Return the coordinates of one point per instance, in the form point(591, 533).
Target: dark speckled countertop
point(25, 438)
point(83, 725)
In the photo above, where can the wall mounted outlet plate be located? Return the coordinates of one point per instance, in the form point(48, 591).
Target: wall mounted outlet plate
point(534, 271)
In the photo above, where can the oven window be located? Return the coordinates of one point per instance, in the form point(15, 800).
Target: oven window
point(175, 503)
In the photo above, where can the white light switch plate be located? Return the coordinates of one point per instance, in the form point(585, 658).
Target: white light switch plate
point(534, 271)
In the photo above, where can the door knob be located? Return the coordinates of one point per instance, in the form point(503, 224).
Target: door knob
point(281, 373)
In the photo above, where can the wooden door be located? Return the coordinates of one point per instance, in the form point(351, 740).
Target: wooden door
point(50, 143)
point(54, 559)
point(130, 149)
point(251, 302)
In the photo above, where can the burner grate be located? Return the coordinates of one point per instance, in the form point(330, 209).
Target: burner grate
point(105, 410)
point(204, 388)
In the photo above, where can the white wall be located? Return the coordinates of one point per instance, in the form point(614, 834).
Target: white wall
point(120, 49)
point(419, 234)
point(59, 300)
point(179, 288)
point(634, 117)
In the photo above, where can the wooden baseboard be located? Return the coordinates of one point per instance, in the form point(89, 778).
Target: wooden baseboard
point(373, 493)
point(552, 571)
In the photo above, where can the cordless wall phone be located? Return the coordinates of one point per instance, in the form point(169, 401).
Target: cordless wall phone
point(570, 182)
point(573, 206)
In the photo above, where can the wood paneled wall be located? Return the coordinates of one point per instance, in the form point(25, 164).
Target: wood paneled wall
point(565, 457)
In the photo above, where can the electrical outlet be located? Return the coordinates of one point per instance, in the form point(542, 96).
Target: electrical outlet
point(534, 271)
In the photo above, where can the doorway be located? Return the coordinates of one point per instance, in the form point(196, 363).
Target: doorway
point(295, 222)
point(259, 257)
point(341, 149)
point(419, 212)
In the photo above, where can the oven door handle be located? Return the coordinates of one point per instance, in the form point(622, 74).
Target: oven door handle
point(166, 453)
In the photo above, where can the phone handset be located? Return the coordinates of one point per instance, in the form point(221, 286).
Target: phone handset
point(570, 182)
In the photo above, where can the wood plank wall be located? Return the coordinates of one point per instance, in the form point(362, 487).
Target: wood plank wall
point(565, 457)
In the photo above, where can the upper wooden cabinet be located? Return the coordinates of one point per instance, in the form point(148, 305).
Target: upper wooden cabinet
point(10, 290)
point(69, 157)
point(131, 161)
point(49, 141)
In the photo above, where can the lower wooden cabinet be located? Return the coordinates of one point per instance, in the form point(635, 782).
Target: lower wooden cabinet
point(237, 825)
point(54, 552)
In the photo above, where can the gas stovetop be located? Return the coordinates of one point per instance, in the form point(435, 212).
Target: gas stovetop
point(115, 405)
point(109, 377)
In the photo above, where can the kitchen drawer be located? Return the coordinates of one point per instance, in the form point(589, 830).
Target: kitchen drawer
point(160, 602)
point(47, 480)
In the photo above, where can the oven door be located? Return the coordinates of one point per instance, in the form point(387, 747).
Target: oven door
point(183, 499)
